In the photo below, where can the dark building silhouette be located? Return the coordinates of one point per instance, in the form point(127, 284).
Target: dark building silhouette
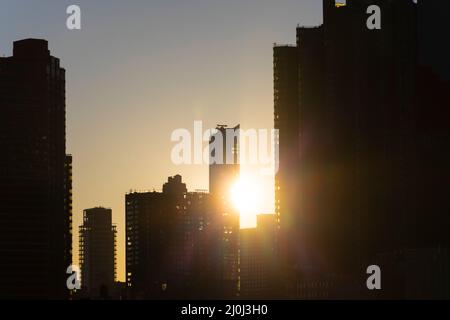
point(224, 170)
point(362, 150)
point(182, 244)
point(259, 268)
point(200, 252)
point(286, 122)
point(413, 274)
point(169, 242)
point(97, 253)
point(433, 48)
point(68, 209)
point(35, 204)
point(143, 242)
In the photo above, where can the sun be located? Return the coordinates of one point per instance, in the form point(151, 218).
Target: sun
point(245, 197)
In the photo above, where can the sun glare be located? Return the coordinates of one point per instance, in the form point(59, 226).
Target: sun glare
point(245, 195)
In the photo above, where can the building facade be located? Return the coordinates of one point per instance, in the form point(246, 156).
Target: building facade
point(224, 171)
point(98, 238)
point(35, 214)
point(170, 242)
point(259, 268)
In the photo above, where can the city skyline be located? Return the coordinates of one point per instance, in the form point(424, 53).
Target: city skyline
point(324, 178)
point(142, 42)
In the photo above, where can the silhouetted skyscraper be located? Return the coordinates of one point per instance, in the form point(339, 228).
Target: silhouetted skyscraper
point(285, 64)
point(259, 264)
point(224, 170)
point(434, 51)
point(35, 237)
point(97, 253)
point(364, 129)
point(68, 209)
point(169, 237)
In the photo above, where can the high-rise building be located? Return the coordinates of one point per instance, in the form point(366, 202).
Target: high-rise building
point(97, 253)
point(170, 243)
point(355, 146)
point(35, 235)
point(206, 232)
point(433, 52)
point(285, 64)
point(224, 170)
point(259, 268)
point(144, 243)
point(224, 165)
point(68, 209)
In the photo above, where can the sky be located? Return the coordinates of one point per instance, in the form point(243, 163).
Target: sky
point(138, 70)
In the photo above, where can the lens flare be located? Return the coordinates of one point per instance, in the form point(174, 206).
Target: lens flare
point(245, 196)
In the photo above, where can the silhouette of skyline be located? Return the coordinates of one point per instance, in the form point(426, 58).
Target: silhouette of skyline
point(224, 74)
point(364, 150)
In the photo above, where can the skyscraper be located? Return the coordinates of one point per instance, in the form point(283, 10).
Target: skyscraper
point(35, 235)
point(224, 170)
point(433, 51)
point(144, 243)
point(97, 253)
point(170, 238)
point(285, 64)
point(224, 166)
point(355, 146)
point(259, 266)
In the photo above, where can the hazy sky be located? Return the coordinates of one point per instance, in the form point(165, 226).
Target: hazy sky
point(140, 69)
